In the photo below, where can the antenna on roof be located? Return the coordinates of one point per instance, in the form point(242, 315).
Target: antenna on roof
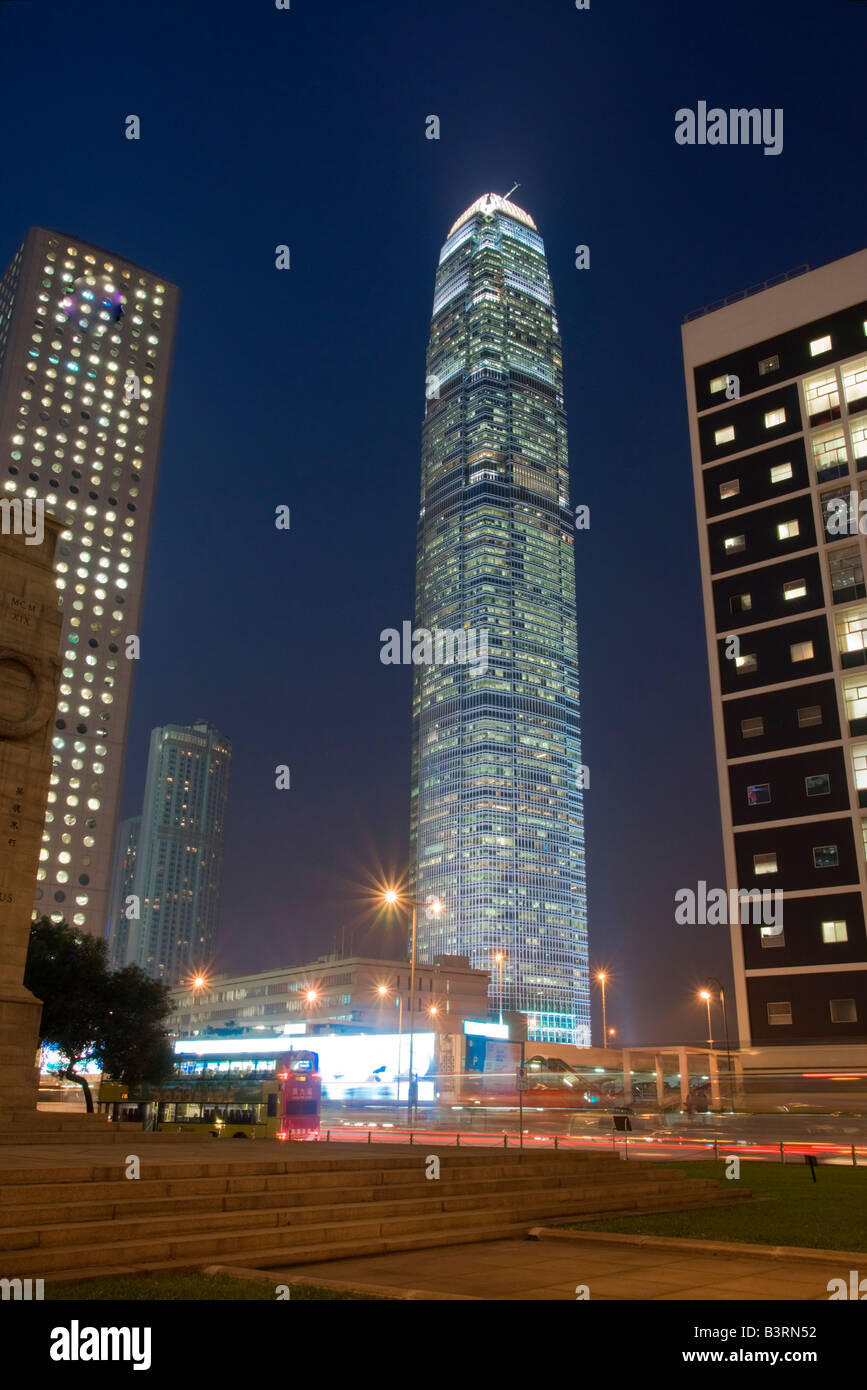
point(511, 191)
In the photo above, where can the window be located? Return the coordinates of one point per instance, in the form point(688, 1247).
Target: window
point(821, 395)
point(752, 728)
point(718, 383)
point(795, 588)
point(764, 863)
point(740, 603)
point(745, 664)
point(771, 936)
point(833, 932)
point(829, 453)
point(847, 574)
point(820, 345)
point(759, 795)
point(852, 631)
point(843, 1011)
point(780, 1012)
point(809, 715)
point(801, 651)
point(781, 472)
point(732, 544)
point(774, 418)
point(855, 695)
point(787, 529)
point(819, 785)
point(855, 381)
point(724, 436)
point(769, 364)
point(729, 489)
point(858, 433)
point(859, 767)
point(826, 856)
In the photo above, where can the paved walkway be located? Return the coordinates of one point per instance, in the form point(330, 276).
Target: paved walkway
point(551, 1270)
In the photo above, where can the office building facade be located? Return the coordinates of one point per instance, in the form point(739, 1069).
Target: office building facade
point(85, 346)
point(777, 399)
point(171, 926)
point(497, 831)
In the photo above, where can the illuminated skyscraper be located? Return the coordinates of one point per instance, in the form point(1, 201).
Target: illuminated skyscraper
point(85, 346)
point(178, 861)
point(497, 828)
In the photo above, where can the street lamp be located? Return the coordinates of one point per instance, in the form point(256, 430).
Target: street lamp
point(704, 994)
point(712, 980)
point(602, 977)
point(382, 991)
point(499, 958)
point(391, 897)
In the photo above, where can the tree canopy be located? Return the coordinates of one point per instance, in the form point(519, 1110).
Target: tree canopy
point(114, 1017)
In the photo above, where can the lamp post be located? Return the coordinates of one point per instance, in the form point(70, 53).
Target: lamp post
point(392, 896)
point(499, 958)
point(712, 980)
point(705, 995)
point(602, 977)
point(383, 991)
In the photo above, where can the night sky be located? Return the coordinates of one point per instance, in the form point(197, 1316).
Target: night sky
point(305, 387)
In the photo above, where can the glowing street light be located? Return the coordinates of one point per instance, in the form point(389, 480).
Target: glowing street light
point(705, 995)
point(392, 897)
point(602, 977)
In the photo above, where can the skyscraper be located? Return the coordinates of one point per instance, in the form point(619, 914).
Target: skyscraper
point(496, 821)
point(179, 853)
point(85, 345)
point(777, 396)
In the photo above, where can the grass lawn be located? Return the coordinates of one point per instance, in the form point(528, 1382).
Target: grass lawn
point(791, 1209)
point(190, 1287)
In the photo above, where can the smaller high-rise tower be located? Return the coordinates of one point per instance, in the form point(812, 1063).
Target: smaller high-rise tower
point(179, 854)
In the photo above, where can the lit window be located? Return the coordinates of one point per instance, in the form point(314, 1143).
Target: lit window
point(787, 529)
point(724, 436)
point(780, 1012)
point(821, 394)
point(801, 651)
point(834, 931)
point(764, 863)
point(794, 588)
point(732, 544)
point(781, 472)
point(744, 665)
point(843, 1011)
point(820, 345)
point(740, 603)
point(752, 728)
point(729, 489)
point(826, 856)
point(772, 936)
point(774, 418)
point(820, 785)
point(808, 715)
point(718, 384)
point(759, 795)
point(769, 364)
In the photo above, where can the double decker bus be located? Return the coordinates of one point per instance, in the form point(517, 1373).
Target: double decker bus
point(226, 1095)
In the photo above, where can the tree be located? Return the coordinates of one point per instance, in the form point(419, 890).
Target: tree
point(92, 1013)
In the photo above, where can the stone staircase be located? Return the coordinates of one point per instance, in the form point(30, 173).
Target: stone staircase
point(58, 1126)
point(79, 1221)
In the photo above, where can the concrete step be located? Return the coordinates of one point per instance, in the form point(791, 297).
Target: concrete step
point(119, 1196)
point(137, 1243)
point(131, 1226)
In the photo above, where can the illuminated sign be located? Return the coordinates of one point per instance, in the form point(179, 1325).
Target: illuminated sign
point(486, 1030)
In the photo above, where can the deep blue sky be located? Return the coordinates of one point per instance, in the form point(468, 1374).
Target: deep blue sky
point(306, 387)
